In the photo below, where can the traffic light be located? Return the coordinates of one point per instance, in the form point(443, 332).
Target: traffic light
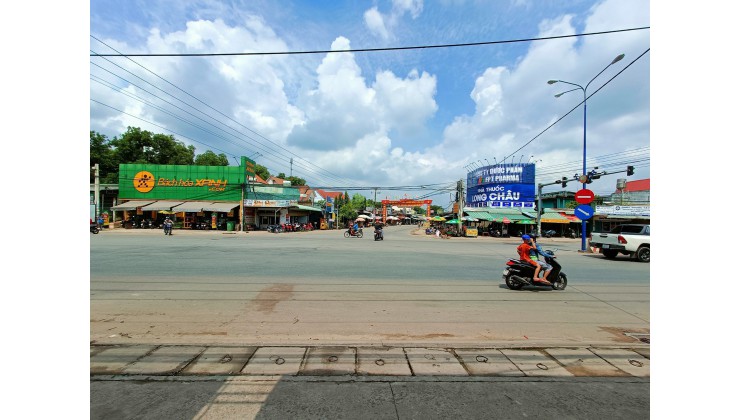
point(564, 181)
point(630, 170)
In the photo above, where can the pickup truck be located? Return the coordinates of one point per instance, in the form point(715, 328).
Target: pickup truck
point(632, 240)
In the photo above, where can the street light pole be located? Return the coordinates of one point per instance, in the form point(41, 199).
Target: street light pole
point(584, 89)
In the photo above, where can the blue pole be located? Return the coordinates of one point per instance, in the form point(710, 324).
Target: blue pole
point(583, 222)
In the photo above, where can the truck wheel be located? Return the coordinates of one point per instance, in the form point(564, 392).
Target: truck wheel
point(610, 254)
point(643, 254)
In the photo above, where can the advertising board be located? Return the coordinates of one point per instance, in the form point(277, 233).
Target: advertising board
point(503, 185)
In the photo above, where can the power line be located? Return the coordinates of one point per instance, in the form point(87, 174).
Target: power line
point(210, 107)
point(578, 105)
point(419, 47)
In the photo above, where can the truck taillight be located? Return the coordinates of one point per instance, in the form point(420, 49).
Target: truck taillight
point(621, 239)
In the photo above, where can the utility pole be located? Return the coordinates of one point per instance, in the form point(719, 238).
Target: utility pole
point(291, 167)
point(460, 202)
point(375, 212)
point(97, 191)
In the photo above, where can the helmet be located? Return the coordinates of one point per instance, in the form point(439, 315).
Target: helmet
point(526, 237)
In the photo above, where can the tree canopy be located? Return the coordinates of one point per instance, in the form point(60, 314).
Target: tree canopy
point(141, 146)
point(208, 158)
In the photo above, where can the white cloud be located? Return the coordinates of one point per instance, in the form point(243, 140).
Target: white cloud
point(343, 109)
point(376, 23)
point(353, 124)
point(382, 25)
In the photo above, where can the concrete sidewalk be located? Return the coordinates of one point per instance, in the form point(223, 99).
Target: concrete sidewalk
point(154, 382)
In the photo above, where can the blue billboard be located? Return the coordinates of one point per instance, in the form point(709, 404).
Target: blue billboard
point(504, 185)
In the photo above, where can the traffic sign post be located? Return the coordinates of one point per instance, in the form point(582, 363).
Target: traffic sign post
point(584, 212)
point(584, 196)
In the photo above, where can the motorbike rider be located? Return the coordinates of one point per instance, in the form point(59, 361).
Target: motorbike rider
point(355, 228)
point(167, 225)
point(525, 249)
point(379, 230)
point(539, 257)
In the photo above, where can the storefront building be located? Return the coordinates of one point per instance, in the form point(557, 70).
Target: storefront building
point(204, 197)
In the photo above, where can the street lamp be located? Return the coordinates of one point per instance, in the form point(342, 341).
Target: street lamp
point(550, 82)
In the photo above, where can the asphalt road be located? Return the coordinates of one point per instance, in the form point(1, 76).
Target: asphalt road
point(320, 288)
point(411, 295)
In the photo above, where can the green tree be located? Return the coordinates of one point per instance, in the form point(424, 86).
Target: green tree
point(294, 180)
point(208, 158)
point(141, 146)
point(102, 153)
point(358, 201)
point(347, 212)
point(261, 171)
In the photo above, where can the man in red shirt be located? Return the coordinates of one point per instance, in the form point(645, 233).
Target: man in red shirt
point(524, 251)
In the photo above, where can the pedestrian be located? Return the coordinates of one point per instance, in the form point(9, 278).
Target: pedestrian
point(100, 221)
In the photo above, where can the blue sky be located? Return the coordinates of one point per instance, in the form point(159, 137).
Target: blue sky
point(390, 118)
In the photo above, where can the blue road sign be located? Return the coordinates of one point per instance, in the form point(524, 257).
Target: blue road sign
point(584, 212)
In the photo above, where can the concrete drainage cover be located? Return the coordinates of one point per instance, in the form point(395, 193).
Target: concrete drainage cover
point(627, 360)
point(582, 362)
point(389, 361)
point(535, 363)
point(434, 362)
point(322, 361)
point(165, 360)
point(275, 361)
point(487, 362)
point(220, 361)
point(113, 360)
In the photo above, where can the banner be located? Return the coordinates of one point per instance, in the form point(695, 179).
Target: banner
point(505, 185)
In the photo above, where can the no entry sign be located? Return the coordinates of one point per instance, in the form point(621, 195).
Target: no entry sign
point(584, 196)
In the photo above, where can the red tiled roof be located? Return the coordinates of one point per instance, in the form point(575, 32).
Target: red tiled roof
point(332, 194)
point(259, 179)
point(275, 180)
point(638, 185)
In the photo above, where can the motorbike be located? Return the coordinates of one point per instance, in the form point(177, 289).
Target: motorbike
point(94, 228)
point(349, 234)
point(274, 228)
point(519, 273)
point(378, 234)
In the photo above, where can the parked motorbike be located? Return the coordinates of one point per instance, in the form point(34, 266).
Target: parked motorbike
point(274, 228)
point(350, 234)
point(378, 233)
point(94, 228)
point(519, 273)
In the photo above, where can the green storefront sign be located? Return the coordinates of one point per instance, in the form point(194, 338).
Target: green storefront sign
point(183, 182)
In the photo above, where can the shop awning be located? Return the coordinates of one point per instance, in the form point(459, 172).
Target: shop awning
point(512, 217)
point(190, 206)
point(480, 215)
point(161, 205)
point(553, 218)
point(571, 217)
point(220, 207)
point(308, 208)
point(131, 205)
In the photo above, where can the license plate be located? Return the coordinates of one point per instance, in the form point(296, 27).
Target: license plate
point(605, 246)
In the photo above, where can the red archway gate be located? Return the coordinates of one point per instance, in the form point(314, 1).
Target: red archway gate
point(406, 202)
